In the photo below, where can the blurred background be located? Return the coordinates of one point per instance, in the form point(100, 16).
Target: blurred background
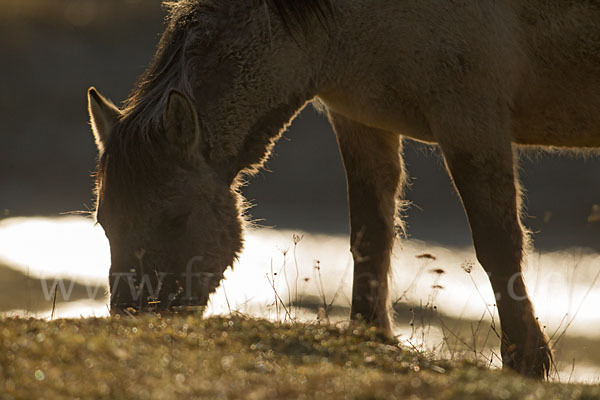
point(51, 51)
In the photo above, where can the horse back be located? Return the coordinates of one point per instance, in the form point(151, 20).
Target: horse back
point(541, 57)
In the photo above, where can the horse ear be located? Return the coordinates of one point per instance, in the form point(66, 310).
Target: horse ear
point(180, 122)
point(104, 115)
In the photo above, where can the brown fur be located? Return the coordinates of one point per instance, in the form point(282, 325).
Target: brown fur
point(474, 77)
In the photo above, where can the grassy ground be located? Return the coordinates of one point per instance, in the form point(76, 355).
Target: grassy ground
point(237, 358)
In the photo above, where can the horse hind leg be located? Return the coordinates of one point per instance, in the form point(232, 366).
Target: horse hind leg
point(374, 170)
point(479, 157)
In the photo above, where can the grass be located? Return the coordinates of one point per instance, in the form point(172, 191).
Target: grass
point(152, 356)
point(237, 357)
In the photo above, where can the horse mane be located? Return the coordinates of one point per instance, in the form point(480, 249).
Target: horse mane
point(136, 141)
point(142, 109)
point(299, 12)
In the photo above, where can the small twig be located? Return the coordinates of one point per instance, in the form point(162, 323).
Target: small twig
point(564, 318)
point(53, 301)
point(278, 299)
point(297, 239)
point(572, 370)
point(320, 288)
point(458, 338)
point(226, 298)
point(276, 303)
point(578, 308)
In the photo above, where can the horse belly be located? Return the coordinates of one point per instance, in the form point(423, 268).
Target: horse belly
point(559, 101)
point(401, 117)
point(569, 118)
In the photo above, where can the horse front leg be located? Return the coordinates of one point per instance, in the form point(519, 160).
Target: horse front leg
point(479, 156)
point(374, 170)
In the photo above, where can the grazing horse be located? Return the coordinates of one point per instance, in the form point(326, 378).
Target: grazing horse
point(475, 77)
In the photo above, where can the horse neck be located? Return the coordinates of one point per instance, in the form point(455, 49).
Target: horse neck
point(257, 144)
point(295, 75)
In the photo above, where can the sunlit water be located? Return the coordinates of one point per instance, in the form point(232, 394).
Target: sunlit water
point(562, 284)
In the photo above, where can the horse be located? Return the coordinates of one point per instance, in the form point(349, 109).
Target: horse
point(477, 78)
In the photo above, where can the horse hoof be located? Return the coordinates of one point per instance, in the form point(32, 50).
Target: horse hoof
point(533, 362)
